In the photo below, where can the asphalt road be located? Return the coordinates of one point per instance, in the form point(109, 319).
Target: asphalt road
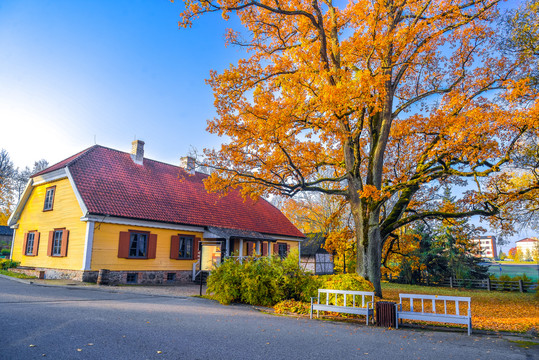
point(79, 323)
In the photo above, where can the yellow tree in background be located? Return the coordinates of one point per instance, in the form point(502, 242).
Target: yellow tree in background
point(370, 100)
point(328, 216)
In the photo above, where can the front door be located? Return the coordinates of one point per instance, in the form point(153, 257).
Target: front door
point(211, 256)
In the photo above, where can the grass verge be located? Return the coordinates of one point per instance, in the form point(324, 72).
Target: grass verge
point(16, 275)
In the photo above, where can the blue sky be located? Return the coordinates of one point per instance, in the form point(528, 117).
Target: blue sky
point(75, 71)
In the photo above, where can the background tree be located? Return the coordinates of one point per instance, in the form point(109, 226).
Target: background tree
point(517, 188)
point(12, 183)
point(443, 249)
point(388, 97)
point(6, 186)
point(21, 177)
point(511, 254)
point(328, 216)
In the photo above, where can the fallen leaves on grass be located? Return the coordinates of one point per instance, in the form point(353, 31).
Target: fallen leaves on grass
point(499, 311)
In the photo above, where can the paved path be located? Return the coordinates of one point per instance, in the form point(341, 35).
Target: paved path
point(88, 323)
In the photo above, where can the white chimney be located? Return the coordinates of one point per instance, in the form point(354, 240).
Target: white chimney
point(137, 151)
point(188, 163)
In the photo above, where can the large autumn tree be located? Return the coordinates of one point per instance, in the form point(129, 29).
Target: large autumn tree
point(382, 97)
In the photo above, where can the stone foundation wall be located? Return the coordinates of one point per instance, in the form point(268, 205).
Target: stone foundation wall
point(30, 272)
point(144, 277)
point(45, 273)
point(107, 277)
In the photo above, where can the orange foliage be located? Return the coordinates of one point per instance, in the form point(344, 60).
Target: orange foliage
point(493, 310)
point(384, 97)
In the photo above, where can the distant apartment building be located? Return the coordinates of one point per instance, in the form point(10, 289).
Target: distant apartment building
point(528, 247)
point(487, 246)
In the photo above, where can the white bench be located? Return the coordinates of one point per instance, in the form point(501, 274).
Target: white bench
point(340, 300)
point(456, 318)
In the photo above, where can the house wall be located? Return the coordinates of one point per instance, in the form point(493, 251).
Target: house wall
point(105, 249)
point(66, 213)
point(528, 246)
point(294, 245)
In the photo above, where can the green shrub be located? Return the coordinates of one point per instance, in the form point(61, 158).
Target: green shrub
point(506, 284)
point(295, 282)
point(5, 252)
point(225, 282)
point(267, 281)
point(524, 279)
point(352, 282)
point(7, 263)
point(261, 281)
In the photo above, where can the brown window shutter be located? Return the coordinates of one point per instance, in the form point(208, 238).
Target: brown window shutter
point(196, 252)
point(123, 244)
point(264, 249)
point(49, 246)
point(65, 239)
point(276, 249)
point(24, 243)
point(152, 246)
point(36, 243)
point(174, 246)
point(249, 248)
point(287, 249)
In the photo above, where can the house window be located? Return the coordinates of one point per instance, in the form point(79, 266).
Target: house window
point(57, 243)
point(49, 199)
point(282, 250)
point(186, 247)
point(138, 245)
point(30, 243)
point(132, 278)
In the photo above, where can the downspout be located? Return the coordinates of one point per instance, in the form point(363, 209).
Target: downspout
point(88, 246)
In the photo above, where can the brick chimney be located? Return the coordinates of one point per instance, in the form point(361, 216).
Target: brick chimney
point(137, 152)
point(188, 163)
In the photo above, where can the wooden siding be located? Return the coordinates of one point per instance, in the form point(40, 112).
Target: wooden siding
point(66, 213)
point(105, 249)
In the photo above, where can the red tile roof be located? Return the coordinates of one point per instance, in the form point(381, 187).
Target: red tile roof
point(62, 164)
point(110, 183)
point(528, 240)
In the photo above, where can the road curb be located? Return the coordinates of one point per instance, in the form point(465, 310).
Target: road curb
point(106, 289)
point(22, 281)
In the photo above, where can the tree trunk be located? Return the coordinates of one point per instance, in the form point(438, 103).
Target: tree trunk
point(369, 249)
point(374, 252)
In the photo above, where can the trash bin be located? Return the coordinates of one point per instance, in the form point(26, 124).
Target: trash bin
point(385, 314)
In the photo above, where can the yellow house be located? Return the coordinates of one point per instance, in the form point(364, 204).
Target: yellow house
point(108, 213)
